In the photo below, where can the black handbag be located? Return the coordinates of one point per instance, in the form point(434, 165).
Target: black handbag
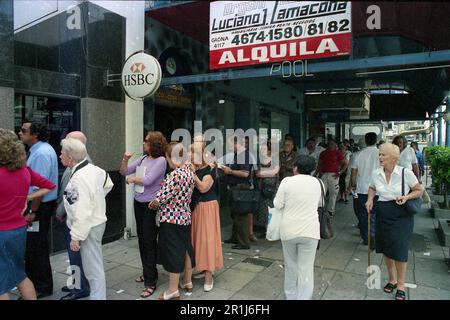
point(268, 189)
point(326, 231)
point(244, 200)
point(412, 206)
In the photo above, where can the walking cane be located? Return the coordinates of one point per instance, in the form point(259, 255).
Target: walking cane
point(368, 237)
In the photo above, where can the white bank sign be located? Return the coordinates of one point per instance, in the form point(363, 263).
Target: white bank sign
point(141, 76)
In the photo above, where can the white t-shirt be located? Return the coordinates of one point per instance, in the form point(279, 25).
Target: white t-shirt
point(390, 191)
point(366, 162)
point(315, 154)
point(298, 198)
point(407, 158)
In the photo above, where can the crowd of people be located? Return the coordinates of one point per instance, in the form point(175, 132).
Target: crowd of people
point(176, 205)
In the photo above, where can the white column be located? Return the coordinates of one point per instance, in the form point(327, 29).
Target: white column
point(134, 110)
point(134, 12)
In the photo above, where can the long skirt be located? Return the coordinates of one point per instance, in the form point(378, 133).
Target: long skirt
point(173, 243)
point(206, 236)
point(393, 230)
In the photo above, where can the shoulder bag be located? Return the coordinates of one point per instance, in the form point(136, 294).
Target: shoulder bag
point(324, 218)
point(412, 206)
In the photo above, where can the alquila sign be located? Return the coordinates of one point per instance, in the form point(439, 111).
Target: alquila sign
point(141, 76)
point(256, 32)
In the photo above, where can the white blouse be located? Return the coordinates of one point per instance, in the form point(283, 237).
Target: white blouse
point(390, 191)
point(298, 197)
point(407, 158)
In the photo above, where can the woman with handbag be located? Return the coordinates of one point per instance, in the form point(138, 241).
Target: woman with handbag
point(267, 182)
point(394, 224)
point(298, 198)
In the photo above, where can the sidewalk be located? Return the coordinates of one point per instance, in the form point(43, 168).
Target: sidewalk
point(257, 273)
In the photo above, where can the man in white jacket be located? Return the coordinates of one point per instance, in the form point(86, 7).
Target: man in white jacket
point(84, 201)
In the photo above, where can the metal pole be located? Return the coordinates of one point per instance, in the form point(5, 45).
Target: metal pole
point(447, 120)
point(439, 125)
point(368, 237)
point(435, 124)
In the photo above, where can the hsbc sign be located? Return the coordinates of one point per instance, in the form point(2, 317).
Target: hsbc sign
point(141, 76)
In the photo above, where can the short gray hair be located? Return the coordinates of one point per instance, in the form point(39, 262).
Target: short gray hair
point(74, 148)
point(305, 164)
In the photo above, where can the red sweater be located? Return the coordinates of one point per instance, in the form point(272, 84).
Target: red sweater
point(13, 195)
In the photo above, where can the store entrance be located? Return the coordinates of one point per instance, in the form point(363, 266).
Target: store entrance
point(168, 119)
point(60, 116)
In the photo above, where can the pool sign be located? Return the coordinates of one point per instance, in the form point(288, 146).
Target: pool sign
point(141, 76)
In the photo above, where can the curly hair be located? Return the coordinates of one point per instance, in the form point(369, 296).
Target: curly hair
point(12, 151)
point(157, 143)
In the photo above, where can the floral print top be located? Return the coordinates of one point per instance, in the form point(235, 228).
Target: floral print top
point(175, 196)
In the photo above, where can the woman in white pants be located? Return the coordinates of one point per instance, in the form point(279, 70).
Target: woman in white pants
point(298, 198)
point(84, 201)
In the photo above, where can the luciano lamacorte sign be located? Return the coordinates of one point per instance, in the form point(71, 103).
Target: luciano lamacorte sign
point(260, 32)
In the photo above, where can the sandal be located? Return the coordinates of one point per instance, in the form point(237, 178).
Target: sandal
point(390, 287)
point(400, 295)
point(148, 292)
point(140, 279)
point(173, 296)
point(187, 286)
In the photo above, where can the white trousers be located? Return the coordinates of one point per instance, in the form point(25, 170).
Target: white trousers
point(92, 258)
point(299, 255)
point(332, 186)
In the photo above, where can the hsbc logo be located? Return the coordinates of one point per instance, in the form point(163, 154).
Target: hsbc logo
point(137, 67)
point(141, 76)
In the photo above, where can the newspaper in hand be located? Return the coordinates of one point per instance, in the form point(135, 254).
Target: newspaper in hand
point(140, 173)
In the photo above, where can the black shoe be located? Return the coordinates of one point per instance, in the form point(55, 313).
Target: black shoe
point(240, 247)
point(66, 289)
point(230, 241)
point(75, 296)
point(40, 295)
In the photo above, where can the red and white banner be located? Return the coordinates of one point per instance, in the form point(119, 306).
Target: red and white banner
point(259, 32)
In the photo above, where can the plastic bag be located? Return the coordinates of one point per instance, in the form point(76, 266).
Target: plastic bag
point(273, 226)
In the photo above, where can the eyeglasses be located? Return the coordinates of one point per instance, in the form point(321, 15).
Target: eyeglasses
point(24, 130)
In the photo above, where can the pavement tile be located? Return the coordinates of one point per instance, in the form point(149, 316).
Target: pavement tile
point(428, 293)
point(111, 248)
point(346, 286)
point(233, 280)
point(245, 266)
point(120, 273)
point(123, 256)
point(264, 287)
point(432, 273)
point(214, 294)
point(240, 296)
point(322, 279)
